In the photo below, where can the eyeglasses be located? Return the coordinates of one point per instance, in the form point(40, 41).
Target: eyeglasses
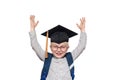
point(62, 48)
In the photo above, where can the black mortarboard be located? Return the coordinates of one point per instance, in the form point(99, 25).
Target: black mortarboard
point(59, 34)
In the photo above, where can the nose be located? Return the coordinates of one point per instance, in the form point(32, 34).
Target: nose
point(58, 49)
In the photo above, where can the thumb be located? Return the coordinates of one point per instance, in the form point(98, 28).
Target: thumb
point(77, 25)
point(36, 23)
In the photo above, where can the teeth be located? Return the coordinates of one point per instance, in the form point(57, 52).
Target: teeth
point(58, 53)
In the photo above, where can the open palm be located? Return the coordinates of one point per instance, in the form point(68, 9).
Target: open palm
point(82, 24)
point(33, 24)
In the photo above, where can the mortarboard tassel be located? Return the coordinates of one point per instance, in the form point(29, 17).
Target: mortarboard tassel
point(46, 51)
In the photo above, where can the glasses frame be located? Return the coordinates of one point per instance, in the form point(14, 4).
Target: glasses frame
point(62, 48)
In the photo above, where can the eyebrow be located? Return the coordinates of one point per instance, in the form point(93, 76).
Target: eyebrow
point(59, 44)
point(64, 43)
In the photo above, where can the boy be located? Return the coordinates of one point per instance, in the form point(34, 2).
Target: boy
point(58, 65)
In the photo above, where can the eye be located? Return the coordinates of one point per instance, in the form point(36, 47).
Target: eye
point(54, 46)
point(63, 46)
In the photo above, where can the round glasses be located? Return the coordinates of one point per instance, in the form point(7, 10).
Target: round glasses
point(55, 48)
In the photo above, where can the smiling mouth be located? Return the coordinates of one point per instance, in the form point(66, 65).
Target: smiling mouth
point(59, 54)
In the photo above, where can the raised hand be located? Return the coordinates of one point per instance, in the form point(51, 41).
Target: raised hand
point(33, 24)
point(82, 24)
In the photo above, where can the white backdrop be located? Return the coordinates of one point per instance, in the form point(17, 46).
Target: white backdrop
point(99, 61)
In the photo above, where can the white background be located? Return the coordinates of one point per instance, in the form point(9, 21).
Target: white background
point(99, 61)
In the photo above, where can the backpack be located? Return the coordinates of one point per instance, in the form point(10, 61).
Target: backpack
point(47, 65)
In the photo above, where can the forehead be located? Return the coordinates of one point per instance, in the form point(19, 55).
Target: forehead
point(63, 43)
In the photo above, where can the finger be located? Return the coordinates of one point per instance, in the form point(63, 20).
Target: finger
point(81, 20)
point(77, 25)
point(84, 19)
point(32, 16)
point(36, 23)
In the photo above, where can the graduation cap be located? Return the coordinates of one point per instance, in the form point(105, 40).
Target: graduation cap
point(58, 34)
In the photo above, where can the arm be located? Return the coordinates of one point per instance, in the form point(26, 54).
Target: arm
point(82, 41)
point(81, 45)
point(34, 42)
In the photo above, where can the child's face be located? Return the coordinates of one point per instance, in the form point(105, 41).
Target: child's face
point(59, 50)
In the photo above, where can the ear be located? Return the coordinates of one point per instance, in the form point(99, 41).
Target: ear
point(67, 47)
point(50, 45)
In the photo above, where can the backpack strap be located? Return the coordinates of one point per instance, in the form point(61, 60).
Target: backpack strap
point(46, 67)
point(70, 63)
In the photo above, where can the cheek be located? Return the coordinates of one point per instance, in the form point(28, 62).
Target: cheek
point(53, 51)
point(65, 50)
